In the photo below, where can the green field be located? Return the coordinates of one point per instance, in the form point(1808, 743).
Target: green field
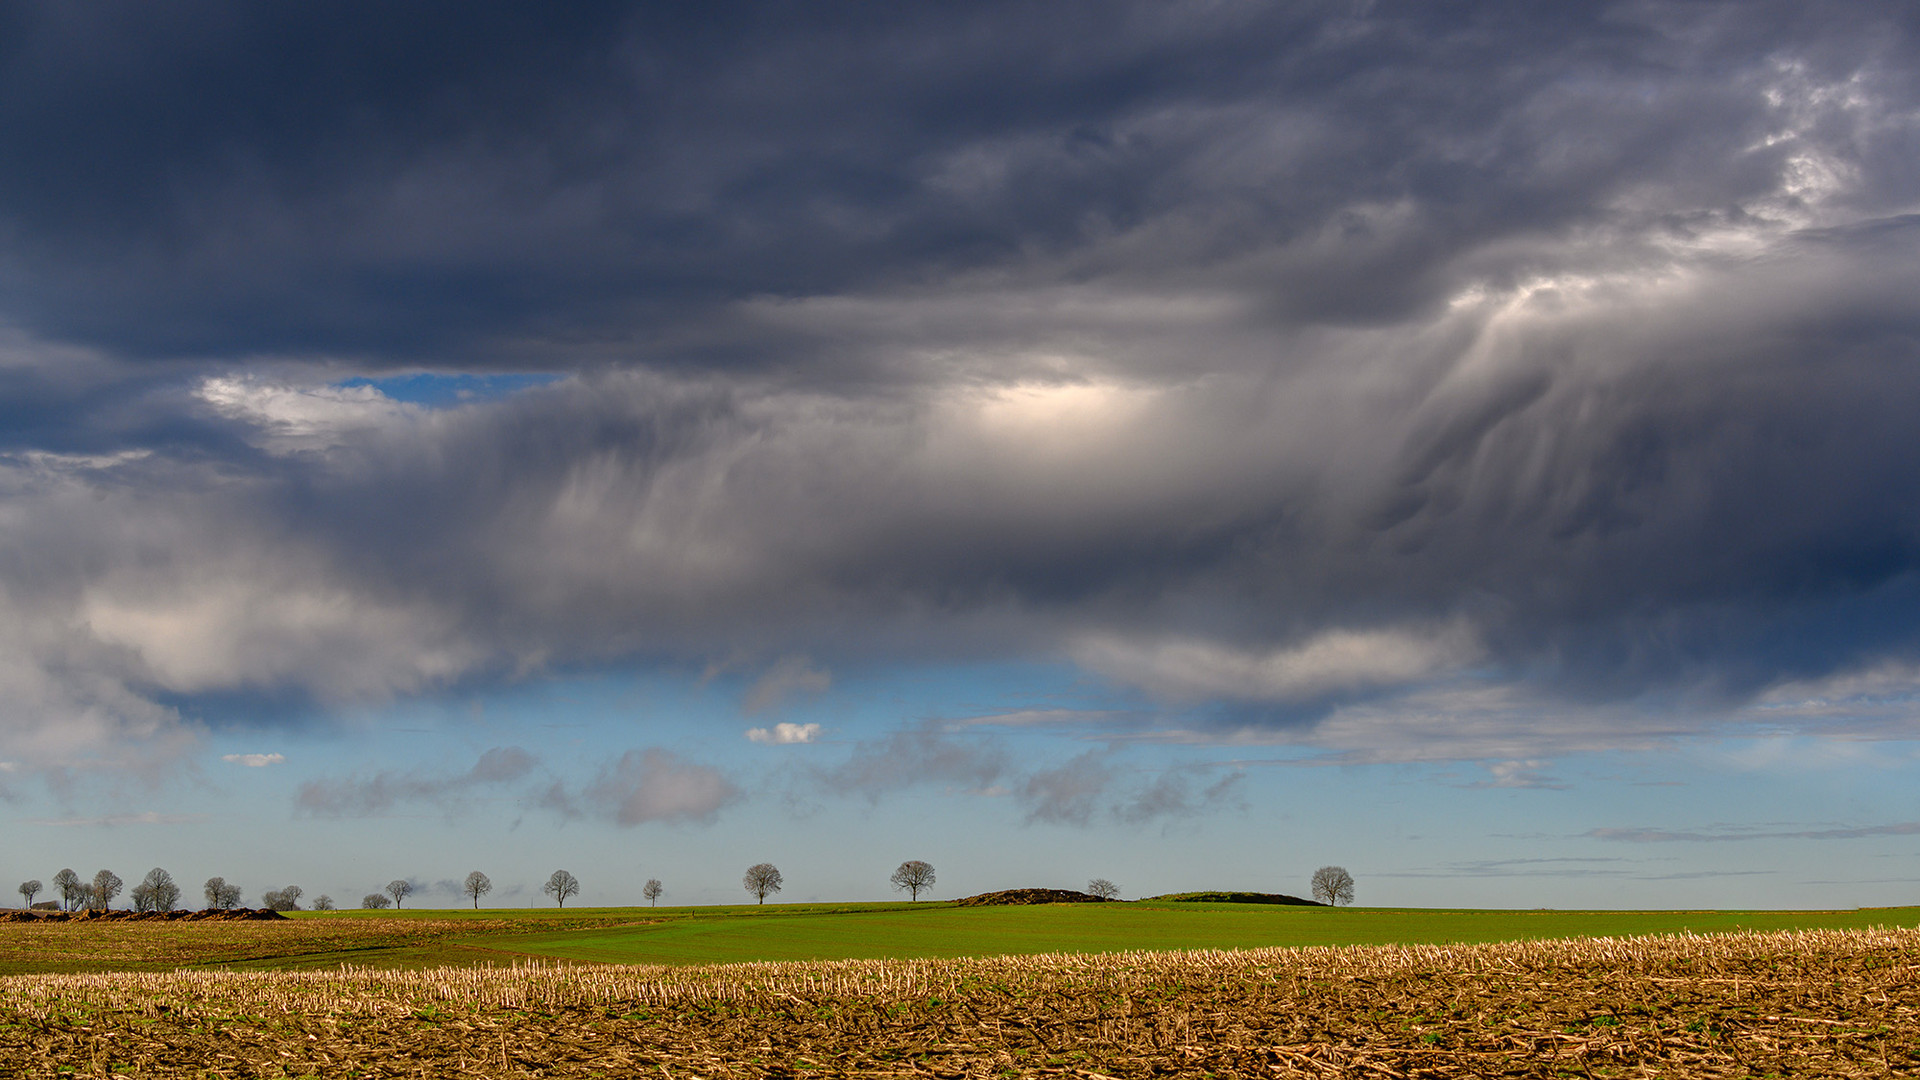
point(426, 938)
point(875, 931)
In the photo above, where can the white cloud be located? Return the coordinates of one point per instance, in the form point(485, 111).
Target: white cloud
point(784, 734)
point(288, 417)
point(254, 761)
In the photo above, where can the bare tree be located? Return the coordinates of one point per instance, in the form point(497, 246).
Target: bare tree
point(914, 876)
point(374, 901)
point(106, 886)
point(653, 890)
point(156, 892)
point(220, 895)
point(1333, 885)
point(29, 890)
point(323, 902)
point(1104, 889)
point(399, 888)
point(562, 885)
point(287, 899)
point(477, 885)
point(69, 888)
point(761, 879)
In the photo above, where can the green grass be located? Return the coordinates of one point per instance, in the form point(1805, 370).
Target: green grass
point(426, 937)
point(869, 931)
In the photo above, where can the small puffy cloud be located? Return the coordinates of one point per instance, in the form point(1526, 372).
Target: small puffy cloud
point(254, 761)
point(784, 734)
point(655, 785)
point(917, 756)
point(1069, 794)
point(1091, 788)
point(1179, 793)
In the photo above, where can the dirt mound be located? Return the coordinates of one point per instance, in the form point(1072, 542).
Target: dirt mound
point(236, 915)
point(1237, 898)
point(1030, 896)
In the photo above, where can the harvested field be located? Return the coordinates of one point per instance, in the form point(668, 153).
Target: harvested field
point(89, 945)
point(1829, 1003)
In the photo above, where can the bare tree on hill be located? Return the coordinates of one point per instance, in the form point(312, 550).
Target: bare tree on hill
point(220, 895)
point(1333, 885)
point(106, 886)
point(477, 885)
point(156, 892)
point(399, 888)
point(29, 890)
point(562, 885)
point(323, 902)
point(1104, 889)
point(69, 888)
point(652, 891)
point(374, 901)
point(287, 899)
point(914, 876)
point(762, 879)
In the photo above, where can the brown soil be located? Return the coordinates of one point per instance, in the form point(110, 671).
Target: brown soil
point(1839, 1004)
point(1030, 896)
point(234, 915)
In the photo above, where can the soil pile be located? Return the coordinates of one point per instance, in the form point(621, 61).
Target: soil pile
point(236, 915)
point(1237, 898)
point(1030, 896)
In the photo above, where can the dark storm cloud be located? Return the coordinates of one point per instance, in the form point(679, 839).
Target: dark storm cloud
point(1529, 372)
point(408, 182)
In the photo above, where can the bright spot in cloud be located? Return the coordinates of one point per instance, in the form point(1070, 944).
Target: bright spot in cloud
point(783, 734)
point(254, 761)
point(1333, 662)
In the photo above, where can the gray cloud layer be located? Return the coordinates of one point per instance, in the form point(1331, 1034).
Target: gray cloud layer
point(387, 789)
point(1094, 786)
point(1290, 365)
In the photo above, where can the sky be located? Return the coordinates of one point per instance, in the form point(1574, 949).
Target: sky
point(1186, 443)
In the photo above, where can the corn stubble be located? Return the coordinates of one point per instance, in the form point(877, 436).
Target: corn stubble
point(1828, 1003)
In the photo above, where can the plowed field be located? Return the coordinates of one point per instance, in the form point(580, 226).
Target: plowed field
point(1827, 1003)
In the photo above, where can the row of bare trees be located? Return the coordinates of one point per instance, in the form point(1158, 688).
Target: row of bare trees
point(561, 886)
point(155, 892)
point(158, 891)
point(762, 880)
point(76, 893)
